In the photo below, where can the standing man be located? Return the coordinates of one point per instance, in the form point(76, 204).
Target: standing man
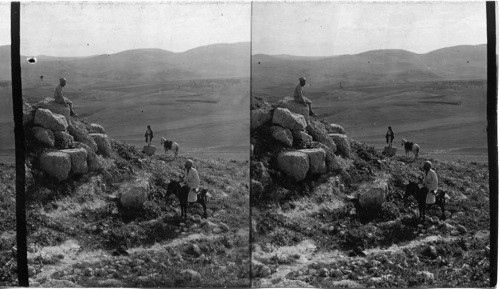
point(149, 135)
point(191, 181)
point(430, 182)
point(389, 136)
point(299, 97)
point(59, 97)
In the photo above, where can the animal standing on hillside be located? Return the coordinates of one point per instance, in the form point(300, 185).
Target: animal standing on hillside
point(410, 147)
point(170, 145)
point(420, 194)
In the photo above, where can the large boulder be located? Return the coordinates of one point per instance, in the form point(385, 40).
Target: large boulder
point(331, 160)
point(373, 195)
point(59, 108)
point(294, 107)
point(334, 128)
point(49, 120)
point(301, 139)
point(390, 151)
point(342, 142)
point(282, 135)
point(79, 132)
point(319, 133)
point(44, 136)
point(149, 150)
point(63, 138)
point(134, 195)
point(92, 159)
point(95, 128)
point(103, 144)
point(294, 164)
point(78, 160)
point(317, 160)
point(56, 164)
point(283, 117)
point(259, 117)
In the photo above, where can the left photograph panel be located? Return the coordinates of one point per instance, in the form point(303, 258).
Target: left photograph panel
point(8, 262)
point(136, 120)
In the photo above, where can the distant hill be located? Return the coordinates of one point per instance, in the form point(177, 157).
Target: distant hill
point(136, 66)
point(377, 66)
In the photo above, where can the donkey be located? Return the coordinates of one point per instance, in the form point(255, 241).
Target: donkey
point(420, 194)
point(175, 187)
point(170, 145)
point(410, 147)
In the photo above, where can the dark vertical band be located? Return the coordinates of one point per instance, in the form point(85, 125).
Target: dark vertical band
point(492, 136)
point(17, 97)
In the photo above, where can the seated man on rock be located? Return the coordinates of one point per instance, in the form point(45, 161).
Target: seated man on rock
point(191, 181)
point(59, 97)
point(299, 97)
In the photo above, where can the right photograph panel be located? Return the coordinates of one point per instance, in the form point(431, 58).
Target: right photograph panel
point(369, 159)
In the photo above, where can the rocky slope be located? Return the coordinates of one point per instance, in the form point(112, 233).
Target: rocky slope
point(328, 211)
point(99, 214)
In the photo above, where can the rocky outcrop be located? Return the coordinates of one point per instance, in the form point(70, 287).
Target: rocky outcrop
point(283, 117)
point(390, 151)
point(63, 138)
point(103, 144)
point(294, 164)
point(95, 128)
point(78, 160)
point(149, 150)
point(134, 195)
point(92, 158)
point(342, 142)
point(259, 117)
point(44, 136)
point(319, 133)
point(58, 108)
point(282, 135)
point(317, 158)
point(56, 164)
point(79, 132)
point(294, 107)
point(49, 120)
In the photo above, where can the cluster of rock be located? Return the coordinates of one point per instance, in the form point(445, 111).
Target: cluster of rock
point(309, 147)
point(71, 147)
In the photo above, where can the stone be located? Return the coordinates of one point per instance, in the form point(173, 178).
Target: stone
point(294, 107)
point(319, 133)
point(49, 120)
point(265, 271)
point(92, 159)
point(282, 135)
point(373, 195)
point(337, 273)
point(95, 128)
point(55, 107)
point(56, 164)
point(323, 272)
point(317, 160)
point(79, 132)
point(78, 160)
point(224, 227)
point(342, 142)
point(294, 164)
point(334, 128)
point(44, 136)
point(331, 161)
point(149, 150)
point(259, 117)
point(427, 277)
point(63, 138)
point(134, 195)
point(454, 233)
point(103, 144)
point(283, 117)
point(389, 151)
point(190, 275)
point(462, 229)
point(301, 139)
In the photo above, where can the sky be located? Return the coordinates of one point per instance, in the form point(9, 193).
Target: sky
point(85, 28)
point(325, 29)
